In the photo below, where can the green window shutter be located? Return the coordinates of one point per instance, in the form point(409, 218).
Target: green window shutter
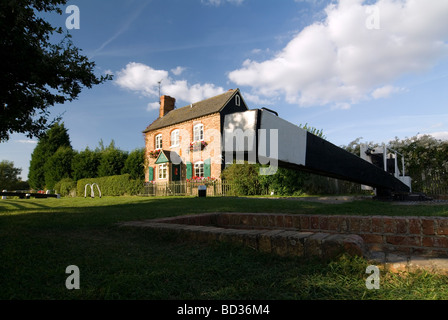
point(151, 173)
point(207, 168)
point(189, 170)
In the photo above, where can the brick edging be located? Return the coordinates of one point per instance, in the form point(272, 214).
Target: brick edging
point(298, 234)
point(406, 234)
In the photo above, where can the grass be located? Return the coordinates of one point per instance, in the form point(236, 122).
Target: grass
point(39, 238)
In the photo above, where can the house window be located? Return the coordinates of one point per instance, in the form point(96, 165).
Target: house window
point(198, 132)
point(238, 100)
point(159, 141)
point(199, 169)
point(163, 171)
point(175, 138)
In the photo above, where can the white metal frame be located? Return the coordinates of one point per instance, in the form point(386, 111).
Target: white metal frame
point(92, 190)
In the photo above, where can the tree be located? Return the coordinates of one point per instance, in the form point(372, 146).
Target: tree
point(58, 166)
point(112, 161)
point(134, 164)
point(425, 161)
point(36, 73)
point(85, 164)
point(9, 176)
point(56, 137)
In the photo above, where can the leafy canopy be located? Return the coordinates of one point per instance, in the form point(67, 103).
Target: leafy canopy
point(36, 73)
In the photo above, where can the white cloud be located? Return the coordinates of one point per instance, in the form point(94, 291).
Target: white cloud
point(344, 60)
point(386, 91)
point(145, 80)
point(153, 106)
point(178, 70)
point(341, 106)
point(26, 141)
point(254, 99)
point(141, 78)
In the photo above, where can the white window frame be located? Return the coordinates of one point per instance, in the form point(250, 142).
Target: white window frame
point(163, 171)
point(158, 142)
point(199, 168)
point(238, 100)
point(198, 132)
point(175, 140)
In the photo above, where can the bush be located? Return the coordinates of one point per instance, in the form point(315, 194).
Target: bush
point(66, 187)
point(112, 185)
point(244, 178)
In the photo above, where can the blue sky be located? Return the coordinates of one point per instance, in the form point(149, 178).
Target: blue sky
point(371, 69)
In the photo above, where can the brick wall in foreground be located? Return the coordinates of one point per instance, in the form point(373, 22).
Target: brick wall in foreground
point(410, 235)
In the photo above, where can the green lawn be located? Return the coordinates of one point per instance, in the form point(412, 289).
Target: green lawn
point(39, 238)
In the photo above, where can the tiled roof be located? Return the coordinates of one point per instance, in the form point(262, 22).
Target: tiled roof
point(195, 110)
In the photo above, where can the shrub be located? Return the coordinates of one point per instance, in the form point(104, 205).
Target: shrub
point(112, 185)
point(66, 187)
point(244, 178)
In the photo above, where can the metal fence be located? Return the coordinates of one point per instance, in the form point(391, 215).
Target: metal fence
point(183, 188)
point(224, 188)
point(435, 185)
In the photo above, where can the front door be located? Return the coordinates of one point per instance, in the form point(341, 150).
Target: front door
point(175, 172)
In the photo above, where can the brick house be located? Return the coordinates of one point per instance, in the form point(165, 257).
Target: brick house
point(185, 143)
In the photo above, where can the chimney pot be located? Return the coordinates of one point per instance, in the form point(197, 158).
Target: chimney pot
point(167, 104)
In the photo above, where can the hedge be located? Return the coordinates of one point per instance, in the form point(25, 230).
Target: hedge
point(65, 187)
point(111, 186)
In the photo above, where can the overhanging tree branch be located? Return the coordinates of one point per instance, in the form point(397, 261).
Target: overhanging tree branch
point(35, 73)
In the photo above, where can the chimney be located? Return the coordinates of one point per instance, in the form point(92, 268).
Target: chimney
point(166, 105)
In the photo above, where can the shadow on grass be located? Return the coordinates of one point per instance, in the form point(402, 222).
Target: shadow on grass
point(126, 263)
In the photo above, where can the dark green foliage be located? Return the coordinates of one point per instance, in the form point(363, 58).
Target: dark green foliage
point(244, 178)
point(65, 187)
point(9, 177)
point(56, 137)
point(112, 162)
point(85, 164)
point(111, 186)
point(58, 166)
point(37, 73)
point(134, 164)
point(286, 181)
point(426, 161)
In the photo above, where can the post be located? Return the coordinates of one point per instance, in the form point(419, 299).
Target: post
point(4, 197)
point(396, 165)
point(402, 164)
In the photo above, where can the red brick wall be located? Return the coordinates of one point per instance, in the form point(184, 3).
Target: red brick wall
point(419, 235)
point(212, 129)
